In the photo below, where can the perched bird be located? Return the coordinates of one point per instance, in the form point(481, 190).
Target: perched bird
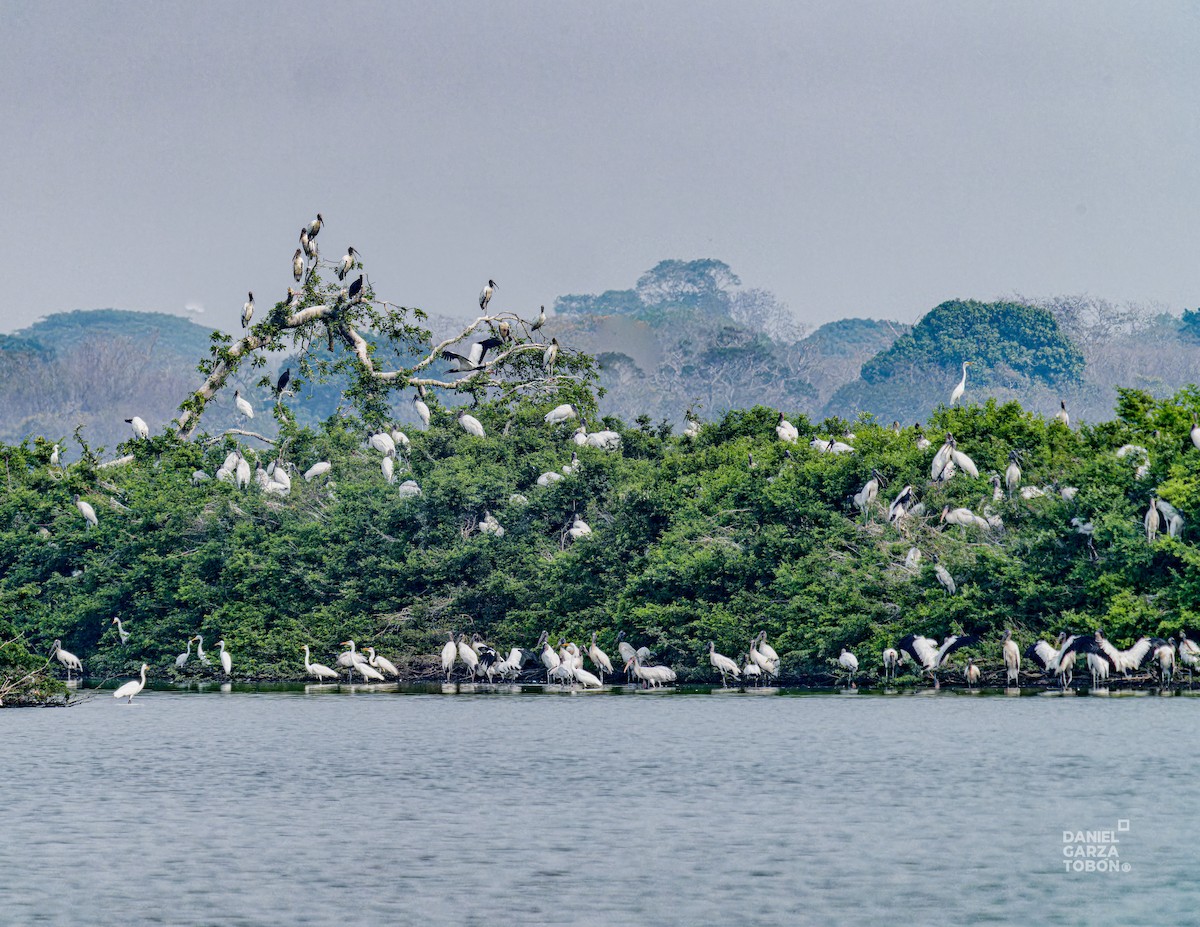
point(550, 355)
point(132, 688)
point(388, 466)
point(558, 414)
point(347, 262)
point(1012, 473)
point(54, 456)
point(1195, 433)
point(71, 662)
point(1061, 415)
point(244, 408)
point(248, 310)
point(320, 468)
point(121, 632)
point(282, 382)
point(298, 265)
point(485, 295)
point(786, 431)
point(913, 559)
point(140, 428)
point(86, 510)
point(421, 409)
point(539, 321)
point(944, 577)
point(470, 424)
point(355, 291)
point(865, 497)
point(314, 227)
point(903, 504)
point(958, 391)
point(383, 443)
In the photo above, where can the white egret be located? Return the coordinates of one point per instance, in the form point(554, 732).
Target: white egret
point(723, 664)
point(599, 659)
point(559, 414)
point(367, 671)
point(86, 510)
point(248, 309)
point(317, 670)
point(132, 688)
point(200, 654)
point(320, 468)
point(958, 391)
point(181, 660)
point(449, 655)
point(226, 660)
point(244, 408)
point(848, 662)
point(121, 632)
point(140, 428)
point(470, 424)
point(382, 664)
point(786, 431)
point(67, 659)
point(1012, 473)
point(350, 658)
point(54, 458)
point(1012, 659)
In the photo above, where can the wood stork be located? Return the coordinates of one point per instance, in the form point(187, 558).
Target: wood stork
point(317, 670)
point(929, 655)
point(571, 467)
point(388, 466)
point(54, 458)
point(307, 244)
point(242, 473)
point(768, 666)
point(320, 468)
point(140, 428)
point(579, 529)
point(181, 660)
point(923, 443)
point(248, 309)
point(470, 424)
point(786, 430)
point(962, 461)
point(1061, 415)
point(485, 295)
point(767, 650)
point(1058, 659)
point(408, 488)
point(1154, 522)
point(549, 478)
point(382, 664)
point(489, 525)
point(751, 671)
point(1172, 517)
point(957, 392)
point(1012, 473)
point(586, 679)
point(964, 517)
point(298, 265)
point(1195, 433)
point(971, 673)
point(651, 676)
point(723, 664)
point(942, 467)
point(944, 577)
point(467, 654)
point(625, 649)
point(71, 662)
point(421, 409)
point(347, 262)
point(121, 632)
point(891, 661)
point(912, 560)
point(226, 660)
point(314, 227)
point(558, 414)
point(86, 510)
point(848, 662)
point(605, 440)
point(579, 436)
point(905, 500)
point(1164, 655)
point(449, 655)
point(599, 659)
point(383, 443)
point(550, 659)
point(244, 408)
point(132, 688)
point(539, 321)
point(691, 427)
point(1012, 659)
point(550, 355)
point(865, 497)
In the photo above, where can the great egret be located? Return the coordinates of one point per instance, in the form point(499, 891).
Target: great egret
point(449, 655)
point(786, 430)
point(470, 424)
point(958, 391)
point(54, 458)
point(317, 670)
point(723, 664)
point(226, 660)
point(244, 408)
point(132, 688)
point(1012, 659)
point(200, 654)
point(67, 659)
point(320, 468)
point(248, 309)
point(181, 660)
point(86, 510)
point(848, 662)
point(382, 664)
point(1012, 473)
point(600, 659)
point(485, 295)
point(350, 658)
point(121, 632)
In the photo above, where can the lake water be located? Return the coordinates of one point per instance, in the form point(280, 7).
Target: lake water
point(417, 807)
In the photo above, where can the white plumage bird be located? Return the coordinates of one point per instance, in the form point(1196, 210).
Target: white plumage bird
point(86, 510)
point(470, 424)
point(140, 428)
point(226, 659)
point(244, 408)
point(132, 688)
point(384, 665)
point(722, 664)
point(318, 671)
point(69, 661)
point(559, 414)
point(320, 468)
point(957, 393)
point(383, 443)
point(248, 310)
point(786, 431)
point(421, 409)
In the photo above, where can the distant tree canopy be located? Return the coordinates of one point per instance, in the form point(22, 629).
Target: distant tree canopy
point(994, 336)
point(1189, 326)
point(704, 285)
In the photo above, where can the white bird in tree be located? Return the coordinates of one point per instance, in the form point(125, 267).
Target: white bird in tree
point(248, 309)
point(421, 409)
point(86, 510)
point(243, 472)
point(1195, 433)
point(388, 466)
point(244, 408)
point(317, 670)
point(71, 662)
point(140, 428)
point(181, 660)
point(1012, 473)
point(786, 431)
point(913, 559)
point(579, 529)
point(132, 688)
point(470, 424)
point(347, 262)
point(539, 321)
point(723, 664)
point(965, 517)
point(383, 443)
point(944, 577)
point(558, 414)
point(298, 265)
point(1172, 517)
point(320, 468)
point(485, 295)
point(382, 664)
point(964, 463)
point(958, 391)
point(866, 496)
point(226, 660)
point(1061, 415)
point(54, 458)
point(121, 632)
point(550, 355)
point(923, 443)
point(314, 227)
point(1153, 521)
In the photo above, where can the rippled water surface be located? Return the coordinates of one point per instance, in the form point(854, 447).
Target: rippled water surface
point(293, 807)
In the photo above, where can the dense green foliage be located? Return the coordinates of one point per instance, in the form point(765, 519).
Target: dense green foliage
point(690, 543)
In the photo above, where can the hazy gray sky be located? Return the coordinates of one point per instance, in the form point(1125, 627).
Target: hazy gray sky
point(856, 158)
